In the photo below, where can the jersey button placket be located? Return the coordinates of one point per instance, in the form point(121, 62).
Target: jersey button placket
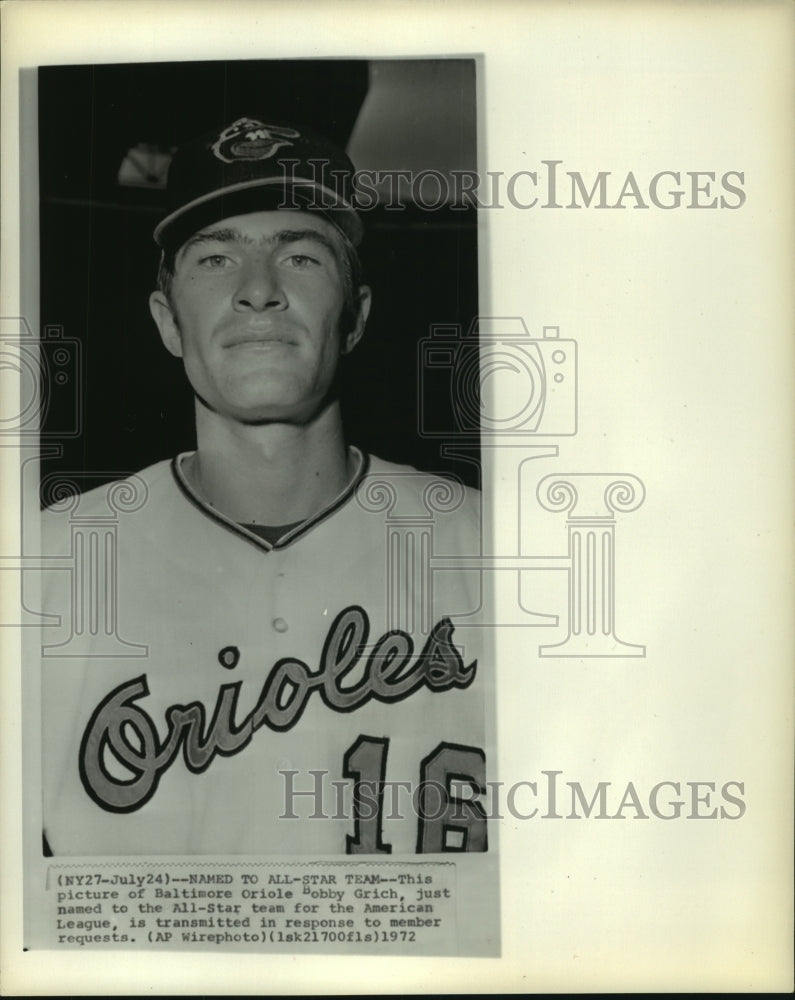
point(279, 623)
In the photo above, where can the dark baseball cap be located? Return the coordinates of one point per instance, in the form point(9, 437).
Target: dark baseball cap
point(250, 165)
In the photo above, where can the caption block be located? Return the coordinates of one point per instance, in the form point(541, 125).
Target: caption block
point(344, 907)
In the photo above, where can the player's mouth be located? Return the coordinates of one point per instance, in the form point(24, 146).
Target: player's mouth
point(259, 340)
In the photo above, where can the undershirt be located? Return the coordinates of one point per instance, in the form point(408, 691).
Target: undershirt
point(271, 533)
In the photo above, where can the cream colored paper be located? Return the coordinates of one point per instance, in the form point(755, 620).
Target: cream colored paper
point(683, 321)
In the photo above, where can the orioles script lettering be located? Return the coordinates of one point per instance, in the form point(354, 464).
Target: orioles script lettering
point(389, 675)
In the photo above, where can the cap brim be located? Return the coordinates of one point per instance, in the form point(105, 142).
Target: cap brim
point(257, 195)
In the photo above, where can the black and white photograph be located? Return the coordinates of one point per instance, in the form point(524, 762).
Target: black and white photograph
point(396, 441)
point(259, 636)
point(267, 572)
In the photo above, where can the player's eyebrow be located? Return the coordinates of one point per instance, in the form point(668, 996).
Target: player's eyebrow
point(280, 238)
point(215, 236)
point(285, 236)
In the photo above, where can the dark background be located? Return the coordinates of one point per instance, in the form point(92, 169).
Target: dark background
point(99, 262)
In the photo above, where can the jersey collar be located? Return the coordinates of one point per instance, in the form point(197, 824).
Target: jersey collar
point(362, 462)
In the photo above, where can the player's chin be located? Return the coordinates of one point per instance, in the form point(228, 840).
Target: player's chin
point(298, 412)
point(281, 415)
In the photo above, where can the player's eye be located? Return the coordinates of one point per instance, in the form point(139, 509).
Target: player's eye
point(301, 261)
point(215, 261)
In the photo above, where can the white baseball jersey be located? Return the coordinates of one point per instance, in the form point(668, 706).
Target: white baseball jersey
point(209, 693)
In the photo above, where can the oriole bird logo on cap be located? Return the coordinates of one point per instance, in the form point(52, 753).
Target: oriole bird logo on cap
point(249, 139)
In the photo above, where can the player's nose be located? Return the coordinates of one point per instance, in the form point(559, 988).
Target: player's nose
point(259, 287)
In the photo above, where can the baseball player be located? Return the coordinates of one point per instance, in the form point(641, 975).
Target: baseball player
point(265, 646)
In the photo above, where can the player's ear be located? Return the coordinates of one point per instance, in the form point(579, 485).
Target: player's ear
point(163, 315)
point(352, 337)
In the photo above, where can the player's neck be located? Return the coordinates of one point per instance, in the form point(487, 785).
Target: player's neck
point(272, 474)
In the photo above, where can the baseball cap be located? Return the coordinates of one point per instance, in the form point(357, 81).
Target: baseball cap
point(251, 165)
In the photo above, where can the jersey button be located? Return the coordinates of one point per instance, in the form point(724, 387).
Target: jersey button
point(280, 624)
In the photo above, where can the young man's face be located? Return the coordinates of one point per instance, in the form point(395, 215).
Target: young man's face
point(254, 310)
